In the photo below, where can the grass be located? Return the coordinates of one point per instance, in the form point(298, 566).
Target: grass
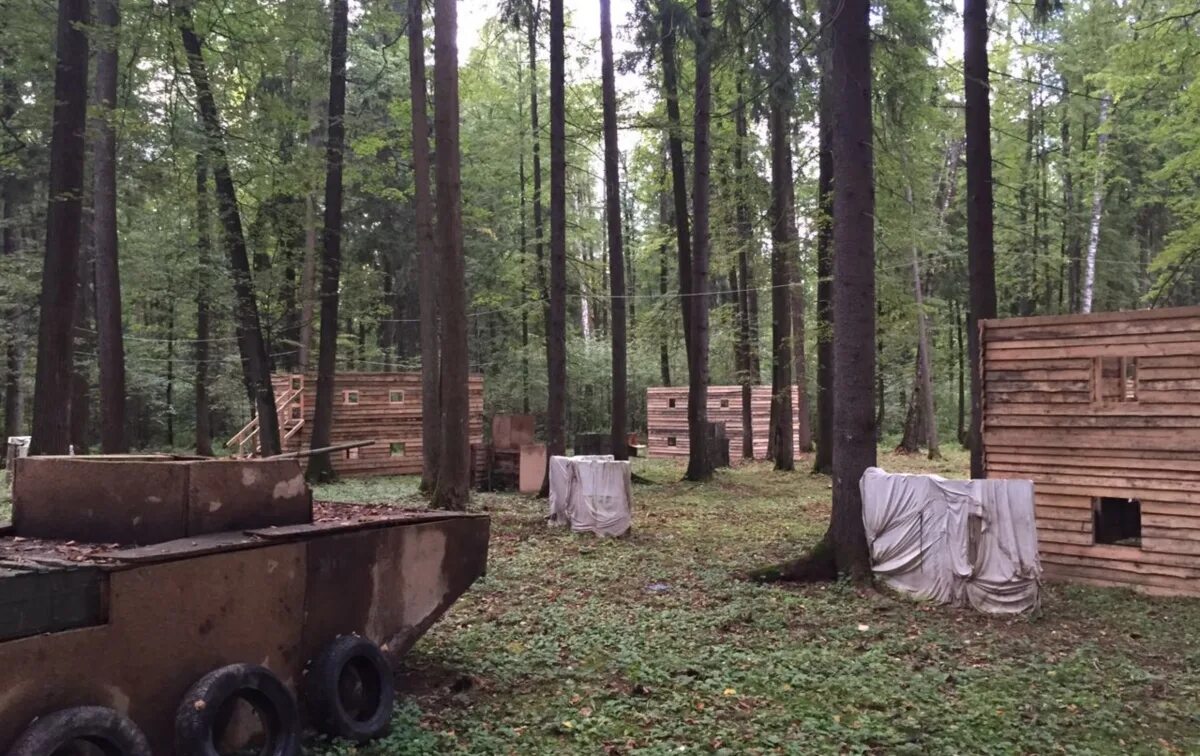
point(653, 644)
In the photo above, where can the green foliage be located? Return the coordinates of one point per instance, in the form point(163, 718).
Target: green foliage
point(1051, 68)
point(654, 644)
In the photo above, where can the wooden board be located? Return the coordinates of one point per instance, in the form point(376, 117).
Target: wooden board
point(380, 407)
point(1095, 406)
point(667, 423)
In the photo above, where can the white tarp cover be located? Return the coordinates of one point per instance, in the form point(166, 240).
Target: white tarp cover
point(961, 542)
point(592, 494)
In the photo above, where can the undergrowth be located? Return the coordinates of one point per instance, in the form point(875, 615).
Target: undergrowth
point(654, 644)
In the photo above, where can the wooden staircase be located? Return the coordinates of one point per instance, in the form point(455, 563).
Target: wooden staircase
point(289, 408)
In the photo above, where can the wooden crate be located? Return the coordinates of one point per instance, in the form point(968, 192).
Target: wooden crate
point(1094, 408)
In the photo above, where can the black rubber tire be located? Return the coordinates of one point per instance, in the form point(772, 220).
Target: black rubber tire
point(196, 721)
point(107, 729)
point(349, 691)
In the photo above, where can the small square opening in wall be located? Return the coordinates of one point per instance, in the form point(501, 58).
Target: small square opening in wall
point(671, 403)
point(295, 411)
point(396, 448)
point(1117, 521)
point(396, 396)
point(296, 382)
point(350, 397)
point(1115, 379)
point(671, 441)
point(724, 403)
point(352, 453)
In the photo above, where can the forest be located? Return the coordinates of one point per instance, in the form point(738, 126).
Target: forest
point(208, 192)
point(548, 209)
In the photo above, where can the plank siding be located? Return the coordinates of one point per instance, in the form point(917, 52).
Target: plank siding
point(1094, 406)
point(667, 425)
point(379, 414)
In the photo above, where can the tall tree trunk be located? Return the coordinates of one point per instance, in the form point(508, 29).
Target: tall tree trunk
point(55, 353)
point(823, 459)
point(854, 283)
point(924, 360)
point(203, 317)
point(453, 478)
point(320, 466)
point(747, 347)
point(256, 364)
point(782, 237)
point(960, 353)
point(170, 371)
point(981, 261)
point(110, 342)
point(556, 336)
point(679, 191)
point(524, 245)
point(616, 250)
point(534, 12)
point(700, 461)
point(1071, 241)
point(665, 222)
point(308, 273)
point(427, 256)
point(1089, 269)
point(84, 342)
point(9, 246)
point(800, 363)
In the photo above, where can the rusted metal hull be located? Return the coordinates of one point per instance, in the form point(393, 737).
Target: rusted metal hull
point(275, 596)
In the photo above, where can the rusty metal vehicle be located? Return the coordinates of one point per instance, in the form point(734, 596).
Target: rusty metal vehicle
point(152, 605)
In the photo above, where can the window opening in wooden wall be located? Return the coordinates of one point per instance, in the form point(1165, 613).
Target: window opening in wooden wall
point(671, 403)
point(1117, 521)
point(396, 396)
point(296, 382)
point(724, 403)
point(350, 397)
point(352, 453)
point(670, 441)
point(1114, 379)
point(396, 448)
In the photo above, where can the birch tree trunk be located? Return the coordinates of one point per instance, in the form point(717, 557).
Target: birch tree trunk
point(1089, 267)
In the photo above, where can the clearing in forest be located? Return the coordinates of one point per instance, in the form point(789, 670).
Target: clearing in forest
point(652, 644)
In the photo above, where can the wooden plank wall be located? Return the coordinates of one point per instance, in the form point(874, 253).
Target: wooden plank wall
point(1104, 405)
point(375, 416)
point(665, 422)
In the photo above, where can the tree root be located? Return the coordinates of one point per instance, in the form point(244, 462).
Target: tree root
point(817, 566)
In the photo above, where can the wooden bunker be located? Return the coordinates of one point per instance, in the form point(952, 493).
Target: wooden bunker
point(667, 422)
point(383, 407)
point(1102, 412)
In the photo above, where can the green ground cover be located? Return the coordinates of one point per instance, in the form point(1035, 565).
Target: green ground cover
point(654, 644)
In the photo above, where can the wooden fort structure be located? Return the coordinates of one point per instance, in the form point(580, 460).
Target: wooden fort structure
point(667, 421)
point(380, 407)
point(1102, 412)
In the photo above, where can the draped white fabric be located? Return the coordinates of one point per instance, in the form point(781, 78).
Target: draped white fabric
point(592, 494)
point(954, 541)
